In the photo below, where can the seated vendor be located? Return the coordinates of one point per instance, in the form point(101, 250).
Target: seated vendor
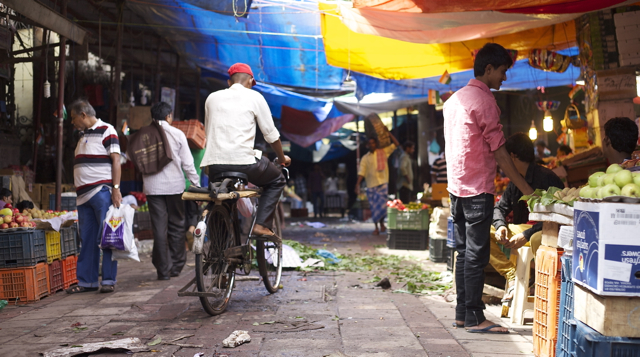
point(563, 151)
point(5, 197)
point(520, 233)
point(620, 139)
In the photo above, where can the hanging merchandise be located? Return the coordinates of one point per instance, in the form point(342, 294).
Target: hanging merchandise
point(434, 147)
point(548, 105)
point(47, 89)
point(433, 96)
point(446, 78)
point(549, 61)
point(574, 92)
point(533, 132)
point(573, 119)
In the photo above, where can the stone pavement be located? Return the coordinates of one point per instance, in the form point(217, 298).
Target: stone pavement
point(351, 319)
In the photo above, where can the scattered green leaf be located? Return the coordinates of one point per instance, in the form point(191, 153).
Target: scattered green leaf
point(155, 342)
point(76, 345)
point(255, 324)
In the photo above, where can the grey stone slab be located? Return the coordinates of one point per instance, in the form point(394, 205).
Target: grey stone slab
point(45, 313)
point(370, 314)
point(99, 311)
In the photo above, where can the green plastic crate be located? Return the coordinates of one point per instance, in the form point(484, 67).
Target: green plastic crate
point(408, 220)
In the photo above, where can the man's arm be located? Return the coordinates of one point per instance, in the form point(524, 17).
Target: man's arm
point(394, 140)
point(504, 160)
point(500, 212)
point(116, 196)
point(405, 167)
point(282, 158)
point(358, 183)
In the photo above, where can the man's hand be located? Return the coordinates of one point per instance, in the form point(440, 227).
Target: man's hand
point(357, 190)
point(501, 235)
point(116, 197)
point(286, 162)
point(516, 241)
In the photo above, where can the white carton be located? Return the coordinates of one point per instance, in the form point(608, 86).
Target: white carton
point(606, 248)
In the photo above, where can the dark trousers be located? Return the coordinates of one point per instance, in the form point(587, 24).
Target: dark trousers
point(472, 218)
point(263, 174)
point(405, 195)
point(317, 198)
point(167, 219)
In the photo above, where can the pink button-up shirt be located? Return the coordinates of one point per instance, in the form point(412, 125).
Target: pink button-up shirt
point(472, 132)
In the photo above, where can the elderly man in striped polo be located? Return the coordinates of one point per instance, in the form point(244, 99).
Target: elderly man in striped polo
point(96, 174)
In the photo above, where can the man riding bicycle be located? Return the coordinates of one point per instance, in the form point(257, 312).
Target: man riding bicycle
point(230, 122)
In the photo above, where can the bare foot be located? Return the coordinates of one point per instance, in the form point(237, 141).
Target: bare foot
point(487, 323)
point(460, 323)
point(375, 233)
point(383, 228)
point(259, 230)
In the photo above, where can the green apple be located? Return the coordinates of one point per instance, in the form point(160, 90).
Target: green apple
point(600, 192)
point(613, 168)
point(590, 192)
point(610, 190)
point(636, 179)
point(585, 191)
point(635, 173)
point(593, 179)
point(622, 178)
point(600, 180)
point(609, 179)
point(631, 190)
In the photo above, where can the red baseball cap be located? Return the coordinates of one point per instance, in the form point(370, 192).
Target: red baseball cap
point(242, 68)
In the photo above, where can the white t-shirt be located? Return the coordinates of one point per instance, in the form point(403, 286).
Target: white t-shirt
point(230, 122)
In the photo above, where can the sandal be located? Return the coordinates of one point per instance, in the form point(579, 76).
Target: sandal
point(107, 288)
point(488, 330)
point(79, 289)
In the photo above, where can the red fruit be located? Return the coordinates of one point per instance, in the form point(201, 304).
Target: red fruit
point(8, 205)
point(33, 224)
point(4, 226)
point(15, 210)
point(7, 219)
point(25, 224)
point(19, 219)
point(49, 211)
point(14, 225)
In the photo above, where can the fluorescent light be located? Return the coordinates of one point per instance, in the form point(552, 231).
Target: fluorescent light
point(547, 122)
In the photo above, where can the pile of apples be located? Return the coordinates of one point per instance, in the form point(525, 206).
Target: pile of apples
point(616, 181)
point(11, 218)
point(40, 214)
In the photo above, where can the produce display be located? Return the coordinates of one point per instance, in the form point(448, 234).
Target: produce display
point(144, 207)
point(616, 181)
point(551, 196)
point(11, 220)
point(40, 214)
point(411, 206)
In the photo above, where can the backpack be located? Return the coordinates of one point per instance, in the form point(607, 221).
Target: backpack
point(149, 149)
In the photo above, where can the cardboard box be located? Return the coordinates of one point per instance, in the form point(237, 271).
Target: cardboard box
point(610, 315)
point(35, 193)
point(550, 232)
point(439, 191)
point(606, 248)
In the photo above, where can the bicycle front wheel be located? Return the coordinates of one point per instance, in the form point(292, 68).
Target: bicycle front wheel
point(269, 256)
point(214, 275)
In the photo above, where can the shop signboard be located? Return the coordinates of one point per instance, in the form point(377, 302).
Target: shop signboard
point(617, 83)
point(606, 248)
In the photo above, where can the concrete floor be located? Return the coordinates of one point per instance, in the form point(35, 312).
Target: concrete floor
point(356, 320)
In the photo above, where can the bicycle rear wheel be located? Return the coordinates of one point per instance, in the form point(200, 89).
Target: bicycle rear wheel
point(214, 275)
point(269, 256)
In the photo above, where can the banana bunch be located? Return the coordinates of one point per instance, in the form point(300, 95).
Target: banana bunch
point(567, 194)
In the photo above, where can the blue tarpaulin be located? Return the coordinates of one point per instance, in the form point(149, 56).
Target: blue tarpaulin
point(520, 77)
point(283, 46)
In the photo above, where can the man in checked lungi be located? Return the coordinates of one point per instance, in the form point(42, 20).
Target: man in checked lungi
point(375, 171)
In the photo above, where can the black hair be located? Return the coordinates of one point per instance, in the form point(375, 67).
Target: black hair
point(541, 143)
point(491, 54)
point(5, 192)
point(239, 77)
point(24, 205)
point(565, 149)
point(622, 133)
point(520, 145)
point(82, 106)
point(159, 111)
point(408, 144)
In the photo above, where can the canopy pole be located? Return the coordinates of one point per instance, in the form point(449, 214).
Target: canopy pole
point(158, 72)
point(59, 151)
point(198, 74)
point(36, 127)
point(176, 114)
point(117, 85)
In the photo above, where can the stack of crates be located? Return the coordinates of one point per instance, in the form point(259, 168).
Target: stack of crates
point(563, 346)
point(24, 272)
point(408, 229)
point(547, 301)
point(69, 255)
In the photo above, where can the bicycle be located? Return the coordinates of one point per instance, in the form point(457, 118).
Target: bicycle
point(217, 259)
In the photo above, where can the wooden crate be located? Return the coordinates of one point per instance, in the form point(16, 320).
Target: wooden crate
point(610, 315)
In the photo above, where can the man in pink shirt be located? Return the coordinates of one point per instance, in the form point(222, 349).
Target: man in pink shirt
point(474, 144)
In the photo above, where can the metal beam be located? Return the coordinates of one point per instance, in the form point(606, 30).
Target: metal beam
point(48, 18)
point(37, 48)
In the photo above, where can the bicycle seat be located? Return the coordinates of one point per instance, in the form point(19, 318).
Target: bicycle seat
point(194, 189)
point(231, 174)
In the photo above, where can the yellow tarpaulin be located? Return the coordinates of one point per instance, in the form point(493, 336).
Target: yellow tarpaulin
point(393, 59)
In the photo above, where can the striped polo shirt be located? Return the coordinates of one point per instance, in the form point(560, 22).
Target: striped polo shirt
point(92, 163)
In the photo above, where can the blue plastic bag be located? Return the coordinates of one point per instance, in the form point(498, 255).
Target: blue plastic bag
point(329, 256)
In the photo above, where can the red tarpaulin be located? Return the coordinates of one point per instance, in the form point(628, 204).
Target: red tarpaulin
point(518, 6)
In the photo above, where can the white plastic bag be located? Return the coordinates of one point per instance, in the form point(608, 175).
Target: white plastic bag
point(122, 255)
point(245, 207)
point(117, 231)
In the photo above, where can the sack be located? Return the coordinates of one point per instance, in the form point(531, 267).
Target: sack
point(149, 149)
point(573, 119)
point(375, 129)
point(117, 229)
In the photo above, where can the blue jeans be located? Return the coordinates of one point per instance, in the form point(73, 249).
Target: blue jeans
point(472, 218)
point(90, 219)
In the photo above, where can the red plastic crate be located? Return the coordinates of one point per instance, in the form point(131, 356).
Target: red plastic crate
point(69, 276)
point(144, 235)
point(56, 281)
point(26, 284)
point(547, 301)
point(194, 131)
